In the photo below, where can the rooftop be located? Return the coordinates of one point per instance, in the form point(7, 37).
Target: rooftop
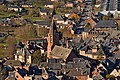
point(106, 24)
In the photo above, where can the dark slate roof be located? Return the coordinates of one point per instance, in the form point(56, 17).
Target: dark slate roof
point(44, 10)
point(118, 63)
point(49, 3)
point(22, 71)
point(106, 24)
point(79, 30)
point(33, 69)
point(26, 3)
point(55, 60)
point(12, 62)
point(70, 65)
point(55, 66)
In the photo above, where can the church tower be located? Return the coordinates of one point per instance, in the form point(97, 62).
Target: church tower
point(53, 38)
point(53, 35)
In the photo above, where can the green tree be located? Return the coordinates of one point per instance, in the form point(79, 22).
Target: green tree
point(38, 57)
point(105, 17)
point(108, 76)
point(93, 2)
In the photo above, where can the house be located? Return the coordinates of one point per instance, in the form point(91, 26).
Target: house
point(42, 25)
point(68, 14)
point(64, 53)
point(105, 25)
point(27, 4)
point(13, 75)
point(1, 1)
point(115, 72)
point(81, 1)
point(91, 22)
point(44, 12)
point(6, 22)
point(40, 43)
point(45, 24)
point(58, 19)
point(112, 8)
point(69, 4)
point(23, 55)
point(15, 8)
point(45, 74)
point(74, 16)
point(85, 35)
point(14, 63)
point(98, 77)
point(78, 69)
point(49, 5)
point(75, 74)
point(81, 6)
point(27, 77)
point(110, 63)
point(95, 51)
point(62, 26)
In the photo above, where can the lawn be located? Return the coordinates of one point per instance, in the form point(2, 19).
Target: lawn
point(3, 47)
point(32, 18)
point(6, 14)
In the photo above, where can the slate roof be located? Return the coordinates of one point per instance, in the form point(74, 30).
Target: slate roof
point(22, 71)
point(111, 61)
point(26, 3)
point(76, 72)
point(14, 6)
point(12, 62)
point(38, 77)
point(98, 77)
point(106, 24)
point(55, 66)
point(11, 76)
point(117, 54)
point(1, 1)
point(79, 30)
point(70, 65)
point(49, 3)
point(58, 17)
point(43, 23)
point(44, 10)
point(61, 52)
point(55, 60)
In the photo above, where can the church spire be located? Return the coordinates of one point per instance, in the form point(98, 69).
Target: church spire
point(54, 12)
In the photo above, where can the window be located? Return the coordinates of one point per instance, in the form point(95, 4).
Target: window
point(17, 76)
